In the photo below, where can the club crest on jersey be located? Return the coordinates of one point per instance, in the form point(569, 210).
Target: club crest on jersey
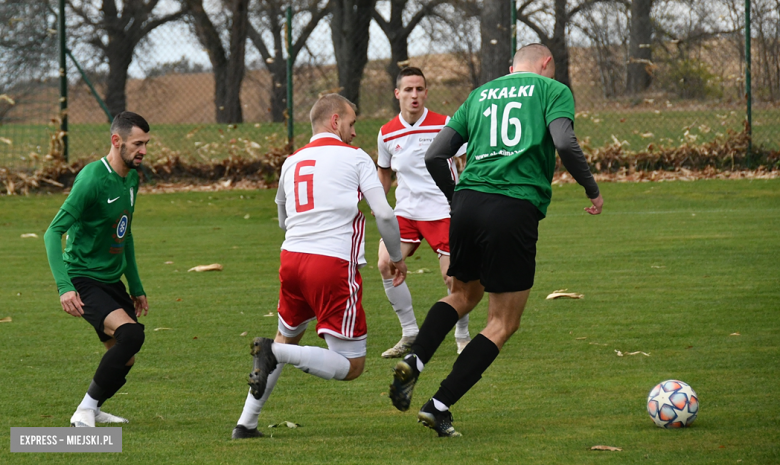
point(121, 227)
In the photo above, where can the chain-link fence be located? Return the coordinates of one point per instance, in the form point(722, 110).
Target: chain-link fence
point(211, 76)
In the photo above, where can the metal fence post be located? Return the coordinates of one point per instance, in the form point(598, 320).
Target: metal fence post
point(63, 82)
point(290, 132)
point(513, 15)
point(748, 90)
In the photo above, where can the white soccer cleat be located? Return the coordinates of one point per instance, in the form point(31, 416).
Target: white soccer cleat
point(83, 418)
point(400, 349)
point(462, 343)
point(103, 417)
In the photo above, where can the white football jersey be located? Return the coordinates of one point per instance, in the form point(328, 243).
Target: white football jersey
point(320, 187)
point(401, 147)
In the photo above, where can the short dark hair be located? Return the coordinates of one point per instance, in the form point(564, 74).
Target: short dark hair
point(410, 71)
point(125, 122)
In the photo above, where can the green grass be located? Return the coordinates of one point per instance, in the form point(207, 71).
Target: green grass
point(89, 141)
point(672, 269)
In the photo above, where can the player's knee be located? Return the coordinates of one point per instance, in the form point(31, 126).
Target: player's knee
point(131, 336)
point(384, 267)
point(356, 366)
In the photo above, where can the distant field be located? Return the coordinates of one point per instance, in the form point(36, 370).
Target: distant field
point(686, 272)
point(595, 129)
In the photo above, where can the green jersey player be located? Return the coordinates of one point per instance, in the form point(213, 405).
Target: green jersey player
point(513, 126)
point(98, 216)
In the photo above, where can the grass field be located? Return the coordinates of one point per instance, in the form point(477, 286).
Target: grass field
point(198, 142)
point(671, 269)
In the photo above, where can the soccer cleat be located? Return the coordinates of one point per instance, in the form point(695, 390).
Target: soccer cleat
point(441, 422)
point(462, 342)
point(242, 432)
point(405, 376)
point(264, 364)
point(103, 417)
point(400, 349)
point(83, 418)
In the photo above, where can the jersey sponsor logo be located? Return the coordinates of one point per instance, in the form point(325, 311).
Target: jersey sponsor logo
point(507, 92)
point(121, 228)
point(113, 200)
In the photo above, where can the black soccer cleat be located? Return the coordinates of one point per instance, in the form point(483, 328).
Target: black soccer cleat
point(264, 364)
point(441, 422)
point(242, 432)
point(405, 376)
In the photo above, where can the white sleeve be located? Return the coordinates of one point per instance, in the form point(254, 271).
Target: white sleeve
point(382, 154)
point(386, 222)
point(281, 201)
point(367, 173)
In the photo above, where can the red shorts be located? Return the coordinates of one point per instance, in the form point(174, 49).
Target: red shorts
point(436, 233)
point(326, 288)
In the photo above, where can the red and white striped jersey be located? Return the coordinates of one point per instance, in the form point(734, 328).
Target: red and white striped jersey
point(401, 147)
point(320, 187)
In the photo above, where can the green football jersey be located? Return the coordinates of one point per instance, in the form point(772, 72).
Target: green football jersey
point(102, 203)
point(510, 151)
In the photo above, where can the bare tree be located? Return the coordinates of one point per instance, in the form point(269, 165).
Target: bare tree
point(349, 30)
point(638, 76)
point(228, 65)
point(538, 14)
point(269, 17)
point(496, 34)
point(606, 26)
point(27, 50)
point(398, 33)
point(116, 34)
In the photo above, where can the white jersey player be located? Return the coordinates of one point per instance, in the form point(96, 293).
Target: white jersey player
point(422, 210)
point(319, 190)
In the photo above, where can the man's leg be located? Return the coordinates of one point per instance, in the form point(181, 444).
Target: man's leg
point(400, 298)
point(442, 316)
point(462, 336)
point(128, 337)
point(504, 312)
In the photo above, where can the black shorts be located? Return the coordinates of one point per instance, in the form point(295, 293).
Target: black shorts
point(493, 239)
point(100, 299)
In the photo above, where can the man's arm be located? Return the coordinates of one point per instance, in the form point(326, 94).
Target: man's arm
point(133, 279)
point(281, 199)
point(387, 224)
point(443, 147)
point(562, 132)
point(385, 177)
point(69, 299)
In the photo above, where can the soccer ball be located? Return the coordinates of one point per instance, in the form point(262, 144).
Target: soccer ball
point(672, 404)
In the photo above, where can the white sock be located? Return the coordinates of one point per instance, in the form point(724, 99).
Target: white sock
point(401, 300)
point(439, 406)
point(252, 406)
point(462, 327)
point(316, 361)
point(90, 403)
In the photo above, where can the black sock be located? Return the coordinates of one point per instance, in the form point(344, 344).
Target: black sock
point(110, 374)
point(440, 320)
point(467, 370)
point(109, 394)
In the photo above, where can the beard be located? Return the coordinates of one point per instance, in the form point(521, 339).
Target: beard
point(130, 163)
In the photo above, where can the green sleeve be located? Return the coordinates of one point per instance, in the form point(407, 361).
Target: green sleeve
point(131, 270)
point(53, 240)
point(460, 121)
point(560, 103)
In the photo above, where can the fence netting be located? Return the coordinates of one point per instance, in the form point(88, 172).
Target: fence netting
point(211, 76)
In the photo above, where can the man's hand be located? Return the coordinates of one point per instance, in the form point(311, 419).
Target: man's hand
point(399, 272)
point(141, 306)
point(71, 303)
point(595, 209)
